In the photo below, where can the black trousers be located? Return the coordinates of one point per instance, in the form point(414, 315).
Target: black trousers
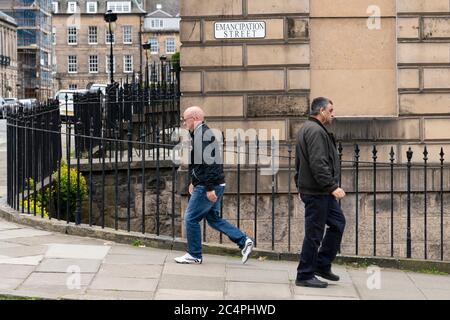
point(320, 210)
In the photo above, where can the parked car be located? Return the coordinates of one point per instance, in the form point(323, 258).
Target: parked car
point(66, 109)
point(2, 108)
point(98, 86)
point(27, 104)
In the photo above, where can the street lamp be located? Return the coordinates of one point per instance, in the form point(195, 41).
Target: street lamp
point(146, 46)
point(110, 19)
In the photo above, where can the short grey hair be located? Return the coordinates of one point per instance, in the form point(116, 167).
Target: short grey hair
point(319, 103)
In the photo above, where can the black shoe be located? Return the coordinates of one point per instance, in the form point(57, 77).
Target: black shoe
point(312, 283)
point(327, 274)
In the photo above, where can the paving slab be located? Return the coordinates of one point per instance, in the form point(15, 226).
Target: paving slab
point(62, 265)
point(211, 270)
point(47, 279)
point(175, 294)
point(71, 251)
point(131, 271)
point(8, 226)
point(334, 289)
point(28, 261)
point(135, 259)
point(123, 284)
point(423, 281)
point(111, 295)
point(137, 251)
point(436, 294)
point(251, 290)
point(9, 283)
point(23, 251)
point(200, 282)
point(15, 271)
point(21, 233)
point(257, 275)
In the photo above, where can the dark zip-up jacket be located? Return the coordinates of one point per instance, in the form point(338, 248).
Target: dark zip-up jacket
point(205, 168)
point(317, 161)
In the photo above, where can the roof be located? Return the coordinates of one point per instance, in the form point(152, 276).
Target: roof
point(171, 7)
point(9, 19)
point(137, 6)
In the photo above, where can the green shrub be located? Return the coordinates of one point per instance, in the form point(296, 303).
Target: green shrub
point(51, 193)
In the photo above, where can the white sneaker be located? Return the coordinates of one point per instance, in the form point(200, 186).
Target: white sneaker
point(188, 259)
point(247, 250)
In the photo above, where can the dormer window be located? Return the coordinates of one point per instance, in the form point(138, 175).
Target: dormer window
point(157, 23)
point(91, 7)
point(71, 7)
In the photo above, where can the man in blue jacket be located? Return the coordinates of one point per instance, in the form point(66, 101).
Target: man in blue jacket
point(206, 188)
point(317, 179)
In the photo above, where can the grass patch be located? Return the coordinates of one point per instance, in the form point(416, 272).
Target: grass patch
point(4, 297)
point(433, 271)
point(137, 243)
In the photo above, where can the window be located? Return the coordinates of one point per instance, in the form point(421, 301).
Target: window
point(55, 7)
point(127, 63)
point(72, 35)
point(93, 64)
point(127, 32)
point(157, 23)
point(54, 36)
point(72, 64)
point(109, 37)
point(119, 7)
point(71, 7)
point(91, 7)
point(154, 46)
point(92, 35)
point(73, 86)
point(108, 62)
point(170, 45)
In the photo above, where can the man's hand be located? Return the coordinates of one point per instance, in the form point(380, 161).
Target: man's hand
point(211, 195)
point(191, 188)
point(339, 193)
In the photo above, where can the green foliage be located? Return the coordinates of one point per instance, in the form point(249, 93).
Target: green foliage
point(30, 203)
point(137, 243)
point(51, 193)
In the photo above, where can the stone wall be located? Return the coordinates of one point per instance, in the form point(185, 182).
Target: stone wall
point(398, 74)
point(165, 202)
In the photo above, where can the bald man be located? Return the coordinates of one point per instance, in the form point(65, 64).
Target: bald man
point(206, 188)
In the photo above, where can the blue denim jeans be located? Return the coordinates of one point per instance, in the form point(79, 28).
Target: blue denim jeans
point(200, 207)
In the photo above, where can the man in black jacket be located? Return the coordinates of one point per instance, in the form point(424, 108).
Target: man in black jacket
point(317, 178)
point(206, 189)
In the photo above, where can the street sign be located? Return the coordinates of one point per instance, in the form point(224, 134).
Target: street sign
point(239, 29)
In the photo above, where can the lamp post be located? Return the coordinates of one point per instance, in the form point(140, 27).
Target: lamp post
point(110, 19)
point(146, 46)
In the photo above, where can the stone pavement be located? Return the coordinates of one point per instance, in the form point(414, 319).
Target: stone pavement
point(37, 263)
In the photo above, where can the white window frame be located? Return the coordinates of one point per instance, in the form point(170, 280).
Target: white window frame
point(119, 6)
point(157, 23)
point(55, 7)
point(125, 69)
point(88, 4)
point(113, 36)
point(152, 46)
point(92, 63)
point(73, 86)
point(167, 46)
point(54, 36)
point(71, 64)
point(69, 7)
point(107, 64)
point(69, 35)
point(89, 34)
point(130, 34)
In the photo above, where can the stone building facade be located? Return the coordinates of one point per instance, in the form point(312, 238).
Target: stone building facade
point(8, 56)
point(83, 47)
point(162, 28)
point(385, 65)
